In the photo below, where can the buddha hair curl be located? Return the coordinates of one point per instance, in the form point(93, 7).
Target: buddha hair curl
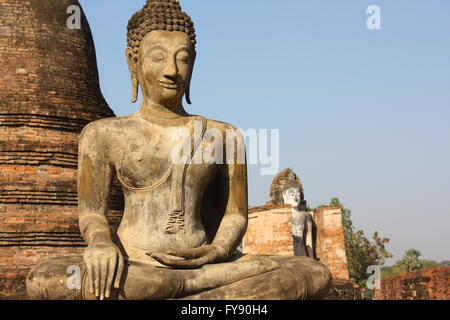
point(165, 15)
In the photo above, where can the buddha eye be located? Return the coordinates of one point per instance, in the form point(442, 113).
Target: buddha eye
point(183, 56)
point(184, 60)
point(158, 57)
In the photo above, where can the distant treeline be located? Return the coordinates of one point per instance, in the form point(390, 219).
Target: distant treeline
point(410, 262)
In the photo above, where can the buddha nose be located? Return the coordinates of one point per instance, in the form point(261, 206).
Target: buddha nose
point(171, 69)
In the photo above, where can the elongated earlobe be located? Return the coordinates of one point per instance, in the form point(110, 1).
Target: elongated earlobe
point(188, 88)
point(188, 93)
point(134, 88)
point(131, 61)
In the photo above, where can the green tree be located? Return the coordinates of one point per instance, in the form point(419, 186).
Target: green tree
point(431, 264)
point(391, 271)
point(411, 260)
point(445, 263)
point(361, 252)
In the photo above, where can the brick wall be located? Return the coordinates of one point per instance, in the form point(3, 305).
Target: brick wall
point(269, 231)
point(345, 290)
point(16, 261)
point(424, 284)
point(331, 249)
point(49, 90)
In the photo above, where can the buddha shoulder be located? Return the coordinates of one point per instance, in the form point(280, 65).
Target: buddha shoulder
point(227, 130)
point(106, 130)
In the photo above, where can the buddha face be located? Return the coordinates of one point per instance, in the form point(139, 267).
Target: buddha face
point(164, 66)
point(292, 197)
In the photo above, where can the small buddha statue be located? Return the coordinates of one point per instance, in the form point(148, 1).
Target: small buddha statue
point(302, 221)
point(182, 220)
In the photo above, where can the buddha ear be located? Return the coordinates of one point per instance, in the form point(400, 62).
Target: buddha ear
point(134, 79)
point(188, 88)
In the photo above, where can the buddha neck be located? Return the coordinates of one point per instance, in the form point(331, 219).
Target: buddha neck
point(295, 209)
point(298, 208)
point(153, 111)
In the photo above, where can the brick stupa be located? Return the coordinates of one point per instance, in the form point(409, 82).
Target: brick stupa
point(49, 90)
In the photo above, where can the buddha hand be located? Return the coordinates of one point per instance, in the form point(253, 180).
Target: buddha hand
point(191, 259)
point(101, 261)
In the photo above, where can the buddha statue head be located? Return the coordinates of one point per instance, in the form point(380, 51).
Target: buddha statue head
point(293, 195)
point(161, 53)
point(280, 190)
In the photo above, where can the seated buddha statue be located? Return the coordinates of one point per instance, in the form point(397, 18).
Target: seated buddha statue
point(182, 220)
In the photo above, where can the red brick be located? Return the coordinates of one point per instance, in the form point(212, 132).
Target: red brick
point(49, 90)
point(423, 284)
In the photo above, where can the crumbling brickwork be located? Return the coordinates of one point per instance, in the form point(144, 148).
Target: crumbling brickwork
point(269, 231)
point(49, 90)
point(345, 290)
point(424, 284)
point(330, 240)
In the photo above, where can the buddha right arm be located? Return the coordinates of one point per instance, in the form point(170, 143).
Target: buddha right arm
point(94, 185)
point(309, 240)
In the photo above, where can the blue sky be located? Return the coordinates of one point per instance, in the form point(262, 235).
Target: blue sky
point(363, 115)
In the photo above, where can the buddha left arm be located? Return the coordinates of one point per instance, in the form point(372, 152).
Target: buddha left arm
point(309, 239)
point(235, 220)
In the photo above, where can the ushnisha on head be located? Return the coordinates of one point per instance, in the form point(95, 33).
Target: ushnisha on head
point(161, 52)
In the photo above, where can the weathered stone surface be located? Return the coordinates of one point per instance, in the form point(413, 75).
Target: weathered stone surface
point(345, 290)
point(424, 284)
point(49, 91)
point(182, 221)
